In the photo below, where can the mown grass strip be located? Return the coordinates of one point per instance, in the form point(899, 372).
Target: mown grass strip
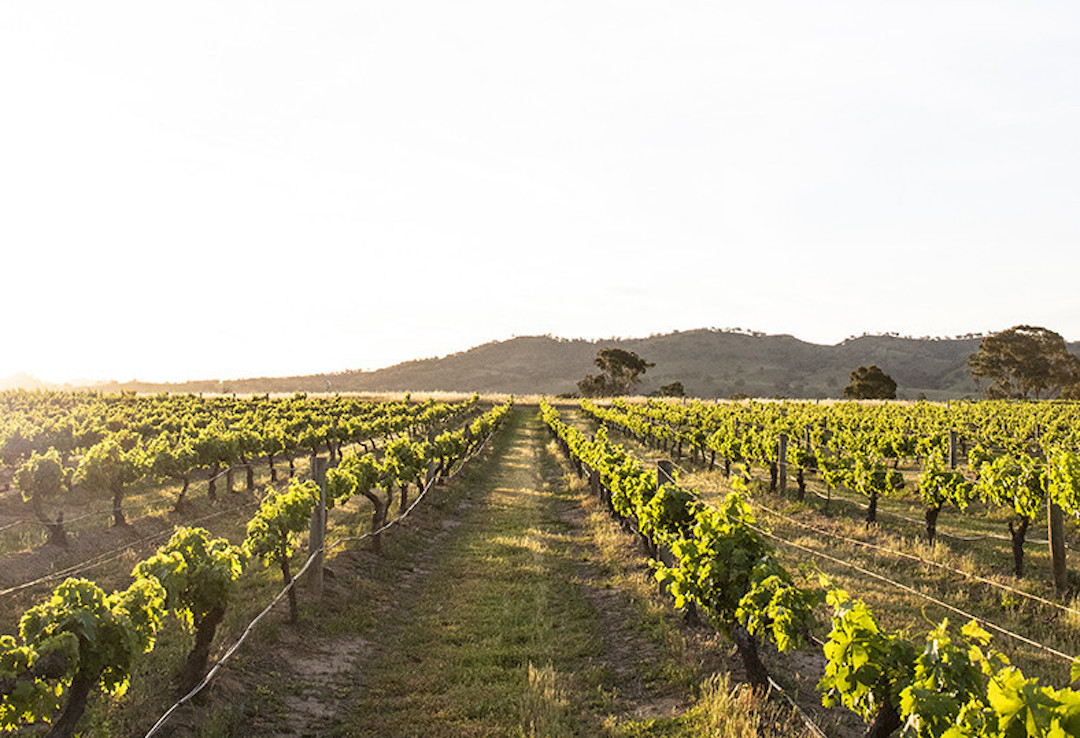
point(490, 642)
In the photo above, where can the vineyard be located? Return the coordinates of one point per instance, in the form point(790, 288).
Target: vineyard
point(1021, 465)
point(94, 452)
point(879, 569)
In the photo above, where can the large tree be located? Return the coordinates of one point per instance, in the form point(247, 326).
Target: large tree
point(620, 370)
point(870, 383)
point(1022, 361)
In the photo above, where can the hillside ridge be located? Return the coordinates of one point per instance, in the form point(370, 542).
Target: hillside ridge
point(709, 363)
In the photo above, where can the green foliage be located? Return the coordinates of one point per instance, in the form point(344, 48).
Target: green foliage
point(943, 686)
point(42, 476)
point(1017, 481)
point(35, 673)
point(171, 458)
point(870, 383)
point(870, 477)
point(835, 470)
point(721, 563)
point(620, 370)
point(449, 445)
point(949, 689)
point(1063, 478)
point(196, 571)
point(311, 437)
point(404, 462)
point(106, 467)
point(1024, 360)
point(272, 534)
point(101, 634)
point(714, 565)
point(864, 667)
point(946, 679)
point(776, 606)
point(938, 485)
point(273, 440)
point(352, 476)
point(669, 514)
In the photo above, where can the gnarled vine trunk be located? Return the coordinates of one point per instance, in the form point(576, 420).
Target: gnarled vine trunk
point(931, 523)
point(195, 666)
point(746, 645)
point(78, 693)
point(885, 722)
point(117, 505)
point(286, 576)
point(1018, 533)
point(871, 509)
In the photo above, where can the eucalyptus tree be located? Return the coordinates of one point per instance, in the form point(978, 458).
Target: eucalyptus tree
point(619, 371)
point(1022, 361)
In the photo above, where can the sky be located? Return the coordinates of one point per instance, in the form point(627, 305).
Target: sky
point(228, 189)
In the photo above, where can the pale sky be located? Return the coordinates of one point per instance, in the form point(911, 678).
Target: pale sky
point(223, 189)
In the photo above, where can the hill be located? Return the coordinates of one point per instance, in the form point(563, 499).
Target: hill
point(709, 363)
point(22, 380)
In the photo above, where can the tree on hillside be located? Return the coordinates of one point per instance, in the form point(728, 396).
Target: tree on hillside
point(620, 370)
point(870, 383)
point(1022, 361)
point(675, 389)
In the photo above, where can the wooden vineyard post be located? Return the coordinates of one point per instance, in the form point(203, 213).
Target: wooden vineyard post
point(317, 532)
point(1055, 534)
point(1056, 531)
point(781, 463)
point(665, 473)
point(953, 448)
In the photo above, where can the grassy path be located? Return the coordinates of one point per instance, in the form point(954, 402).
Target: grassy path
point(493, 641)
